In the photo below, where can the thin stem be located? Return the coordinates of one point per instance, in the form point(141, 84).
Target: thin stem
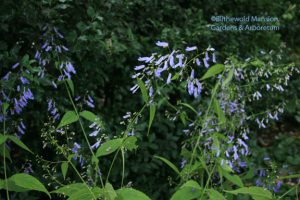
point(205, 118)
point(208, 181)
point(81, 125)
point(288, 191)
point(4, 158)
point(123, 167)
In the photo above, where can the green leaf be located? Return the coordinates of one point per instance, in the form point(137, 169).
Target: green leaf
point(91, 12)
point(19, 143)
point(11, 186)
point(219, 111)
point(68, 190)
point(3, 138)
point(130, 143)
point(289, 176)
point(144, 90)
point(88, 115)
point(152, 114)
point(68, 118)
point(228, 78)
point(232, 178)
point(257, 193)
point(214, 195)
point(5, 107)
point(64, 169)
point(188, 106)
point(171, 165)
point(28, 182)
point(71, 86)
point(188, 191)
point(131, 194)
point(109, 147)
point(110, 193)
point(191, 183)
point(214, 70)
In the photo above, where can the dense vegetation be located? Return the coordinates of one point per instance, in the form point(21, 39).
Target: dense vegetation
point(88, 101)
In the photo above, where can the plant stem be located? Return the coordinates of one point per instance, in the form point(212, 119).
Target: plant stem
point(4, 158)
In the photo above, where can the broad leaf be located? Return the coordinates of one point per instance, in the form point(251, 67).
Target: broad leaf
point(3, 138)
point(130, 143)
point(214, 70)
point(131, 194)
point(109, 192)
point(109, 147)
point(68, 190)
point(71, 86)
point(19, 143)
point(232, 178)
point(188, 191)
point(64, 169)
point(257, 193)
point(28, 182)
point(219, 111)
point(214, 195)
point(144, 90)
point(228, 78)
point(88, 115)
point(152, 114)
point(68, 118)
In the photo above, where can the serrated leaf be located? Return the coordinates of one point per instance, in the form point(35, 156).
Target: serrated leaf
point(171, 165)
point(68, 118)
point(214, 195)
point(131, 194)
point(254, 192)
point(143, 90)
point(88, 115)
point(64, 169)
point(71, 85)
point(151, 117)
point(130, 143)
point(19, 143)
point(214, 70)
point(28, 182)
point(109, 147)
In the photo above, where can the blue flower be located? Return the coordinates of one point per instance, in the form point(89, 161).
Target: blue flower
point(75, 148)
point(15, 65)
point(162, 44)
point(169, 78)
point(191, 48)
